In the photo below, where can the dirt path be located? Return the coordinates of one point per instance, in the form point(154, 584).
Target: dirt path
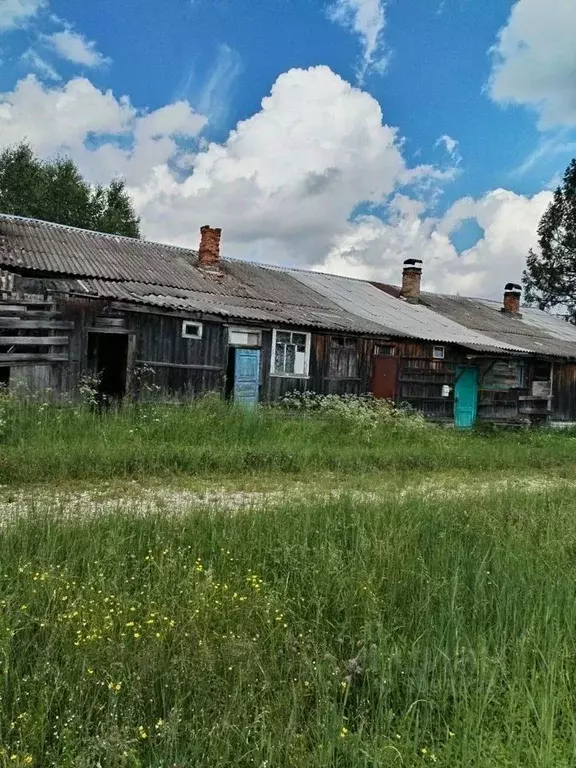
point(135, 498)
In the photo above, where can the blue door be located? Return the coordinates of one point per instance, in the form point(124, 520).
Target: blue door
point(465, 397)
point(246, 376)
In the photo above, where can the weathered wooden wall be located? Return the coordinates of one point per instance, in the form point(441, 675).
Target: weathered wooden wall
point(163, 361)
point(421, 378)
point(331, 371)
point(564, 392)
point(46, 348)
point(34, 342)
point(182, 366)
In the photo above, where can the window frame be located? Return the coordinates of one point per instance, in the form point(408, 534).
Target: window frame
point(307, 347)
point(353, 353)
point(438, 352)
point(192, 336)
point(240, 329)
point(379, 347)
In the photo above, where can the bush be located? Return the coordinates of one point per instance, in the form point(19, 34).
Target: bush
point(363, 412)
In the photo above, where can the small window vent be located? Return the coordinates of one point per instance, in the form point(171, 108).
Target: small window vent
point(191, 330)
point(438, 353)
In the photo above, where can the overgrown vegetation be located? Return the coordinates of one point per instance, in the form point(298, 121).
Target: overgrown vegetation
point(406, 632)
point(428, 623)
point(44, 442)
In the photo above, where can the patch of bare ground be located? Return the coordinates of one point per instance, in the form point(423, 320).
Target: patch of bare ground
point(169, 500)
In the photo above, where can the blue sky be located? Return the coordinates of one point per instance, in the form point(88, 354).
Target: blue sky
point(478, 120)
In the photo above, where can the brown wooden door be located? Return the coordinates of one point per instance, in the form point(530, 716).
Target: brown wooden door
point(385, 377)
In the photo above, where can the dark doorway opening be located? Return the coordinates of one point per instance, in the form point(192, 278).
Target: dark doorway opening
point(230, 373)
point(108, 359)
point(5, 376)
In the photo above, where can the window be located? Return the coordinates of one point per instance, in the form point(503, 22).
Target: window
point(541, 379)
point(504, 375)
point(243, 337)
point(438, 353)
point(520, 375)
point(386, 350)
point(343, 358)
point(290, 353)
point(191, 330)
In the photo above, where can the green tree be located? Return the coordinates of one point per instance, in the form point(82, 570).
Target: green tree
point(550, 275)
point(54, 190)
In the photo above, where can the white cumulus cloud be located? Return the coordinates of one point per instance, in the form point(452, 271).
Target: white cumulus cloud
point(287, 179)
point(15, 13)
point(367, 19)
point(375, 250)
point(534, 60)
point(287, 185)
point(76, 48)
point(123, 140)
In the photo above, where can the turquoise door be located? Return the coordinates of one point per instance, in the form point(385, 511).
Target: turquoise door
point(465, 397)
point(247, 376)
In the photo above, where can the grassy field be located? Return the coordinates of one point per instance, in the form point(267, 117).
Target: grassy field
point(43, 443)
point(404, 597)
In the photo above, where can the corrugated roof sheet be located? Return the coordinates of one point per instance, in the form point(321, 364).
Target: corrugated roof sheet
point(399, 317)
point(324, 314)
point(45, 247)
point(534, 330)
point(97, 264)
point(165, 276)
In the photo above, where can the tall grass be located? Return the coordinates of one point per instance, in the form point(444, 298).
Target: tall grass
point(44, 443)
point(404, 633)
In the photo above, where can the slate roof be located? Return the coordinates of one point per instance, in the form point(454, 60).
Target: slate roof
point(399, 317)
point(125, 269)
point(537, 331)
point(313, 313)
point(164, 276)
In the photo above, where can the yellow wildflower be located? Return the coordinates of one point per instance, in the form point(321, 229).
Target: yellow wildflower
point(142, 732)
point(343, 732)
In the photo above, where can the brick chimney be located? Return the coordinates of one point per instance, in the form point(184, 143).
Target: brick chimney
point(209, 250)
point(512, 293)
point(411, 277)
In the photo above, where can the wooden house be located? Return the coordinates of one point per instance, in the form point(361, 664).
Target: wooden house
point(146, 319)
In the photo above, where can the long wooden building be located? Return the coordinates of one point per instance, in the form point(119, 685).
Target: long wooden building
point(146, 319)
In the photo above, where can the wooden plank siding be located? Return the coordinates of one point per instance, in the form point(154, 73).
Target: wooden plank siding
point(564, 392)
point(422, 377)
point(32, 356)
point(181, 366)
point(45, 346)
